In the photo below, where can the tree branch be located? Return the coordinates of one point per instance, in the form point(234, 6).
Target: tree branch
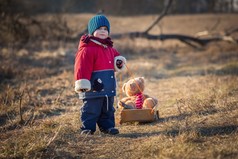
point(164, 12)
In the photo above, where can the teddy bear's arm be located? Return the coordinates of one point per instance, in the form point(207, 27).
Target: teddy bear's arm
point(149, 102)
point(128, 101)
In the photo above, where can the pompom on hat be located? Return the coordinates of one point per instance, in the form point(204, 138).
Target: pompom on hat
point(97, 22)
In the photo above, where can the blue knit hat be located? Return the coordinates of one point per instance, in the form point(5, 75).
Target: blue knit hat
point(97, 22)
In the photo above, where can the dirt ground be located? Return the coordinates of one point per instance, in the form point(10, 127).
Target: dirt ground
point(197, 90)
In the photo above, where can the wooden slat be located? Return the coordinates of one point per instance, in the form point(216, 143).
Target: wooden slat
point(137, 115)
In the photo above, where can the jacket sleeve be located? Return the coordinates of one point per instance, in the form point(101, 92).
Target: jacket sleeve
point(83, 68)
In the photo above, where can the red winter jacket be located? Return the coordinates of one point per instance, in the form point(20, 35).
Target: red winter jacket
point(95, 61)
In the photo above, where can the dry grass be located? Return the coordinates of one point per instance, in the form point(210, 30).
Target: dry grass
point(197, 92)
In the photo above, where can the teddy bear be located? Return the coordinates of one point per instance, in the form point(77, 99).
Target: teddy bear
point(136, 99)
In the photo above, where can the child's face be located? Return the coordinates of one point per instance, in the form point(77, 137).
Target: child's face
point(101, 33)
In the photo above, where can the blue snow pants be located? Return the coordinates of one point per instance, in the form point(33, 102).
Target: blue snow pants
point(98, 111)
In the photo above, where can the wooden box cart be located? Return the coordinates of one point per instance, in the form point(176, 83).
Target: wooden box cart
point(138, 115)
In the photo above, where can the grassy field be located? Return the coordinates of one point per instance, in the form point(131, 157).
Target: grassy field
point(197, 91)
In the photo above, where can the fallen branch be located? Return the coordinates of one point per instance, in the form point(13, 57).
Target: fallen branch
point(193, 41)
point(183, 38)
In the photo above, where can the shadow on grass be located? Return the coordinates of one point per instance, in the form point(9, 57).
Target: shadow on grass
point(35, 67)
point(175, 117)
point(229, 69)
point(4, 127)
point(207, 131)
point(202, 131)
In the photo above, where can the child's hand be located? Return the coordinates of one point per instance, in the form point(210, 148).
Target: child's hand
point(119, 63)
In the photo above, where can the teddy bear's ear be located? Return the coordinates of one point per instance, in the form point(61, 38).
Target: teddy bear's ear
point(142, 79)
point(123, 87)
